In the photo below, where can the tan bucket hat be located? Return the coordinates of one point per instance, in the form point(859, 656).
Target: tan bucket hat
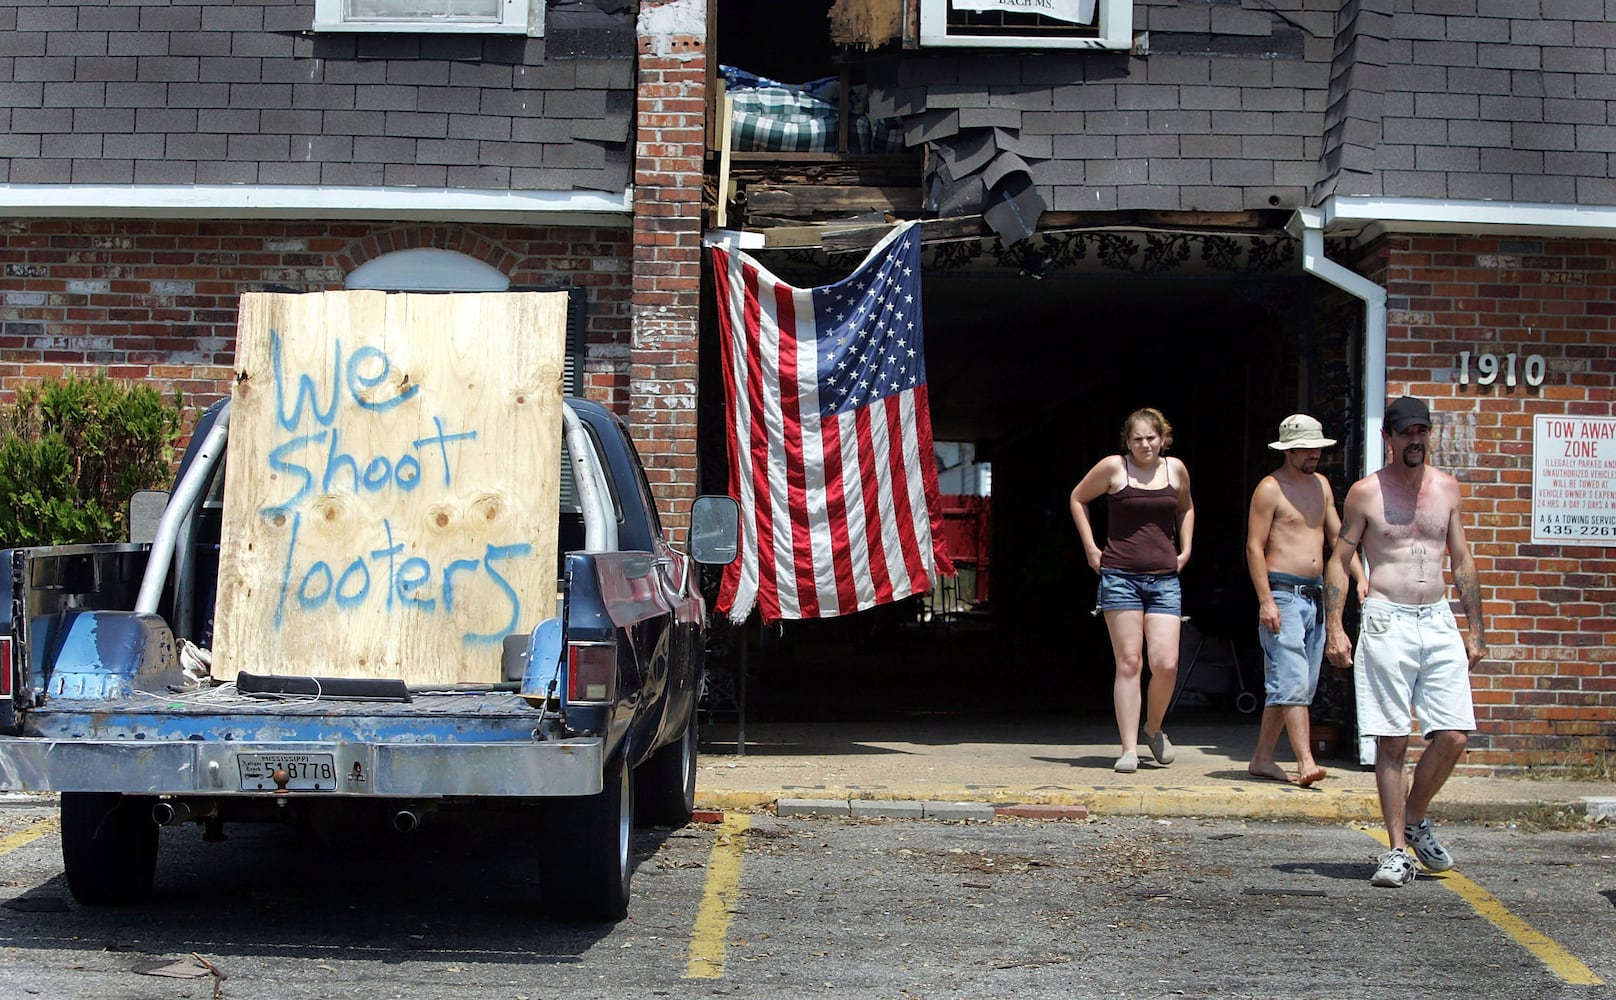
point(1300, 431)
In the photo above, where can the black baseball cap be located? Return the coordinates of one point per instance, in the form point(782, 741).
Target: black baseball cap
point(1405, 412)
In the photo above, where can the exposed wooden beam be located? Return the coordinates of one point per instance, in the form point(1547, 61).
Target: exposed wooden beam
point(845, 237)
point(797, 237)
point(812, 199)
point(726, 118)
point(931, 231)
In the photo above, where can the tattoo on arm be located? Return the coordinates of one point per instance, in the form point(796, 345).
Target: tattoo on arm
point(1469, 595)
point(1334, 598)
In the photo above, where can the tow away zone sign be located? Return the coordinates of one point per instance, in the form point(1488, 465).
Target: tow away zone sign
point(1574, 480)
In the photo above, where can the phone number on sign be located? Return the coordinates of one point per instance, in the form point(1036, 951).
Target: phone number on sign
point(1578, 530)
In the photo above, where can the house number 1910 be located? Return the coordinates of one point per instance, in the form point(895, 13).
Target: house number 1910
point(1487, 369)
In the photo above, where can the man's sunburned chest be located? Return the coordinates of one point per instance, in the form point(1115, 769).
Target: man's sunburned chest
point(1409, 513)
point(1300, 508)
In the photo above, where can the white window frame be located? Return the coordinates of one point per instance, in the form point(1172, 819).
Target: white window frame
point(517, 17)
point(1115, 31)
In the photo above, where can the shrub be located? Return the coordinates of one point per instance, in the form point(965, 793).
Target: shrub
point(72, 452)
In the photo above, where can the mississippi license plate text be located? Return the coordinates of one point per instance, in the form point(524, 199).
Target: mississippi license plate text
point(305, 772)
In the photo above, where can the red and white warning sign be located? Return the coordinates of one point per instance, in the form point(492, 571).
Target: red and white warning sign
point(1574, 480)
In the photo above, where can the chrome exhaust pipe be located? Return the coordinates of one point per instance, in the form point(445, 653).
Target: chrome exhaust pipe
point(170, 812)
point(407, 820)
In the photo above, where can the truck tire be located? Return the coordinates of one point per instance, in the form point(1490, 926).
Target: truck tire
point(109, 847)
point(665, 785)
point(584, 872)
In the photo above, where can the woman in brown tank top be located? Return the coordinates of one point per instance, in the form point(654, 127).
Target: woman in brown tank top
point(1150, 523)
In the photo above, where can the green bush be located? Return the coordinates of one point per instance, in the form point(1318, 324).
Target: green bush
point(72, 452)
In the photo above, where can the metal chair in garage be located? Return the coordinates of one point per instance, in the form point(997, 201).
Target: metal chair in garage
point(1210, 638)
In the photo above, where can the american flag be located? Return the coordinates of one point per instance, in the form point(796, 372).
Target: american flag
point(830, 448)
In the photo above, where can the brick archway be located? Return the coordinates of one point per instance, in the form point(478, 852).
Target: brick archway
point(459, 240)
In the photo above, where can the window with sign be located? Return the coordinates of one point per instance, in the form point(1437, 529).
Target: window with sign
point(1027, 24)
point(464, 16)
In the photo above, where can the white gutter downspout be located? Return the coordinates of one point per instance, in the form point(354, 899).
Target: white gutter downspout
point(1307, 224)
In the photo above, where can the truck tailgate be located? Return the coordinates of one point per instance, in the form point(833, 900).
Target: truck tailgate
point(219, 742)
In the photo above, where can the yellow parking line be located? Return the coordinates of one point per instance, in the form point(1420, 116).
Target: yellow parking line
point(1548, 951)
point(13, 841)
point(710, 934)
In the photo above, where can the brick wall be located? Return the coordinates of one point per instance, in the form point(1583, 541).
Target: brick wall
point(1546, 695)
point(671, 134)
point(157, 300)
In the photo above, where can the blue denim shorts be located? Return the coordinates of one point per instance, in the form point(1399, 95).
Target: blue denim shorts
point(1154, 594)
point(1292, 658)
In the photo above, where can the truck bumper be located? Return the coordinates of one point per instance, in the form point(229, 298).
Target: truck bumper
point(390, 770)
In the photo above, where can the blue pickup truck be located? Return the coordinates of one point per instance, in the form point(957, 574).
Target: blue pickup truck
point(106, 696)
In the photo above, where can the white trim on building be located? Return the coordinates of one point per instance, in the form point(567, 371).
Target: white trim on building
point(394, 204)
point(1372, 217)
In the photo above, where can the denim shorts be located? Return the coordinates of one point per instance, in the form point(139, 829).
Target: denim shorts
point(1291, 658)
point(1154, 594)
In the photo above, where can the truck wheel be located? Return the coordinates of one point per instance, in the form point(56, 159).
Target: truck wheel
point(584, 873)
point(109, 847)
point(665, 785)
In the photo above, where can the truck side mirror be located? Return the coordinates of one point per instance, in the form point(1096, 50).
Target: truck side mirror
point(145, 510)
point(715, 530)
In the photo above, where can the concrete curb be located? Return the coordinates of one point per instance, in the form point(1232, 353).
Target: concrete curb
point(885, 809)
point(1236, 802)
point(1280, 802)
point(1600, 807)
point(1184, 801)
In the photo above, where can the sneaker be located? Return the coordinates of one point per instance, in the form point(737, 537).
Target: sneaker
point(1396, 870)
point(1427, 848)
point(1161, 747)
point(1128, 763)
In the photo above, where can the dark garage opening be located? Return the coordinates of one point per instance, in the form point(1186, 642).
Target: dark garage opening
point(1038, 375)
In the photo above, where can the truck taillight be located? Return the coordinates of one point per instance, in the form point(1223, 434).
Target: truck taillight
point(591, 671)
point(6, 666)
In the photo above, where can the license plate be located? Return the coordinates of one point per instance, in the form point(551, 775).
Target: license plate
point(305, 772)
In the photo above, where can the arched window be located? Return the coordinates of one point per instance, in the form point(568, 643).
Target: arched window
point(427, 269)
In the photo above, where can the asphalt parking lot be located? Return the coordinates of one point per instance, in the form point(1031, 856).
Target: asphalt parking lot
point(760, 905)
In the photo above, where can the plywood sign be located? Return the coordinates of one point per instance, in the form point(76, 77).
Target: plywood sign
point(392, 486)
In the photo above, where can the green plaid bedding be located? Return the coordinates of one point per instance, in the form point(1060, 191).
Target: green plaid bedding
point(803, 118)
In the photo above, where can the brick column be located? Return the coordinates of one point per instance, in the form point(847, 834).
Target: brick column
point(1544, 695)
point(669, 152)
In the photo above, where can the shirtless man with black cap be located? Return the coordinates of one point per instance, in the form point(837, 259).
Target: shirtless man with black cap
point(1412, 661)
